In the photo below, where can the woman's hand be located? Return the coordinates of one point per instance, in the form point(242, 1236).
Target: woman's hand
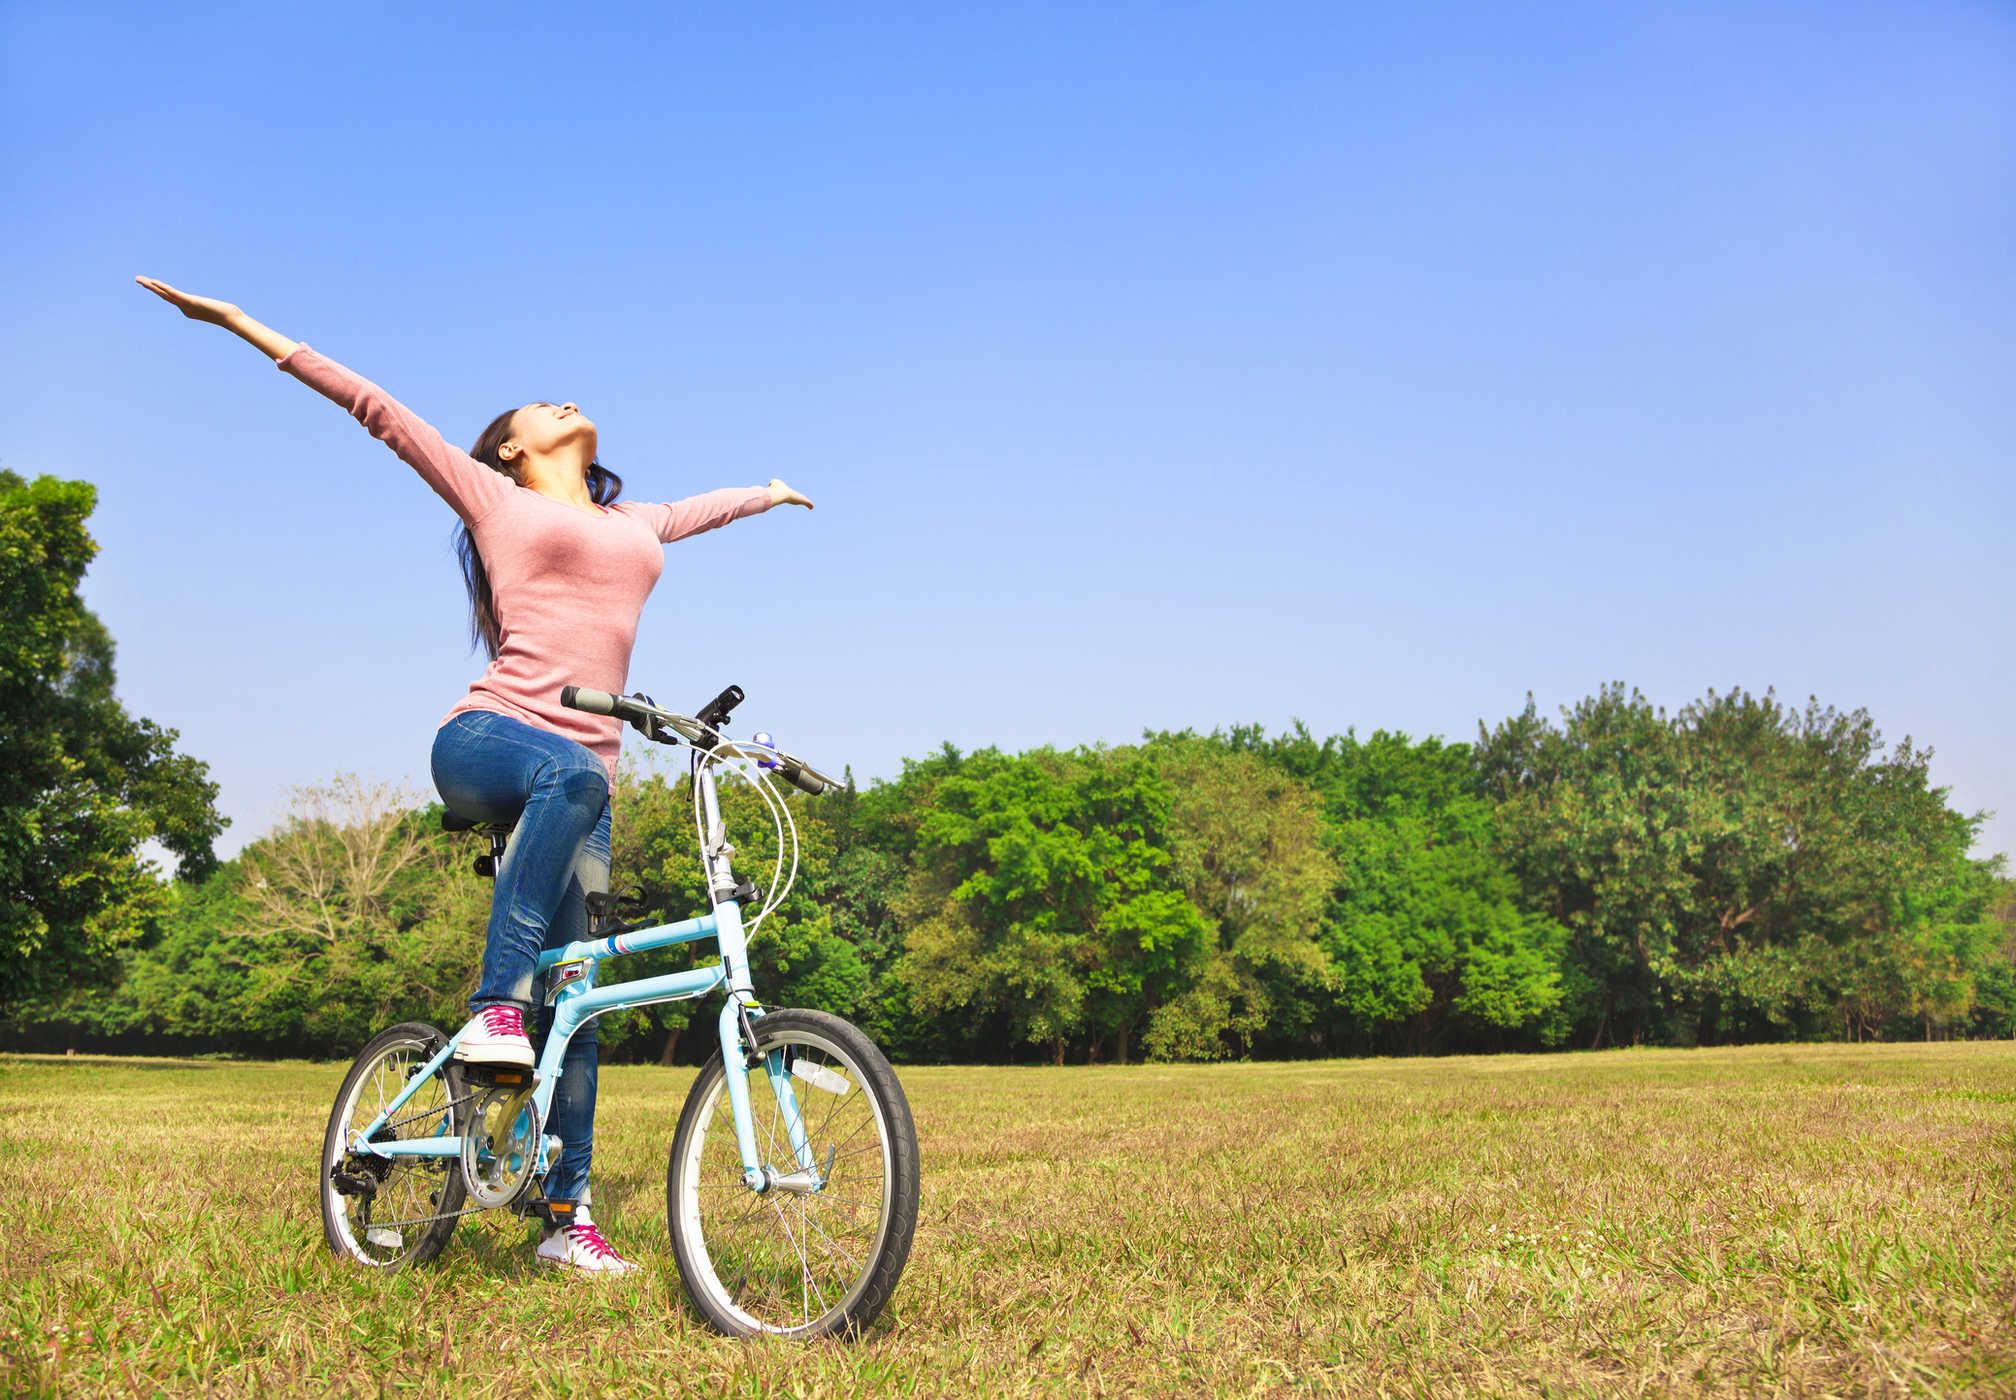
point(782, 495)
point(194, 307)
point(222, 313)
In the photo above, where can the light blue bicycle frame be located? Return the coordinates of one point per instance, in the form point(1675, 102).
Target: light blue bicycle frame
point(581, 999)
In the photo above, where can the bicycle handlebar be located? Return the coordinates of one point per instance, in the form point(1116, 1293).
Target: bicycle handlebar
point(805, 777)
point(649, 718)
point(796, 771)
point(595, 702)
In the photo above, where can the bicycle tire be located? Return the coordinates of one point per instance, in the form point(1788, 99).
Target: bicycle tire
point(381, 1069)
point(730, 1276)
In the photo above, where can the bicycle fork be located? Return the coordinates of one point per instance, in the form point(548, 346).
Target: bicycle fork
point(738, 1057)
point(738, 1035)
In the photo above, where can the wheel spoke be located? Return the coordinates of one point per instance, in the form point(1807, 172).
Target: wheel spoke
point(832, 1244)
point(866, 1147)
point(867, 1121)
point(845, 1199)
point(761, 1198)
point(804, 1265)
point(832, 1112)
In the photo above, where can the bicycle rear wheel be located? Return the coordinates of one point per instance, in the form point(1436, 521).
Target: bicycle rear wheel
point(387, 1213)
point(797, 1263)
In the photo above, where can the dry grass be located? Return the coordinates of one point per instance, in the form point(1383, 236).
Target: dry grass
point(1812, 1221)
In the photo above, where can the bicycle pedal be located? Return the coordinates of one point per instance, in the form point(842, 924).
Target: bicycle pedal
point(554, 1213)
point(503, 1076)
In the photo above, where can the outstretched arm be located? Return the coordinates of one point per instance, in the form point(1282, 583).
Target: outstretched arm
point(675, 520)
point(468, 486)
point(221, 313)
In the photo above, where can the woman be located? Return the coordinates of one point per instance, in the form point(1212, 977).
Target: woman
point(557, 572)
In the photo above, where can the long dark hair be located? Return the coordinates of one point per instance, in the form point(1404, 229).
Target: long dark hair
point(603, 487)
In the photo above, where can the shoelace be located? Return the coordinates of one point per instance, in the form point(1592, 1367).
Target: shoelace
point(503, 1020)
point(590, 1239)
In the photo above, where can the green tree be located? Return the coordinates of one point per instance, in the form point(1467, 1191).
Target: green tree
point(1249, 843)
point(354, 912)
point(1045, 891)
point(1995, 986)
point(1425, 928)
point(1595, 817)
point(83, 784)
point(1743, 870)
point(191, 979)
point(868, 892)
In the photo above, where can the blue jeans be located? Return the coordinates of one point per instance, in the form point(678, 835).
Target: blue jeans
point(491, 767)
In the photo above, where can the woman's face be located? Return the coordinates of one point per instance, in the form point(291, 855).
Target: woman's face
point(543, 428)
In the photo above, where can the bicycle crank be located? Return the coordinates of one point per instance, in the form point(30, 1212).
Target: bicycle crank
point(500, 1147)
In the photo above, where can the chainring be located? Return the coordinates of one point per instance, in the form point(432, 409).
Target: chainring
point(500, 1145)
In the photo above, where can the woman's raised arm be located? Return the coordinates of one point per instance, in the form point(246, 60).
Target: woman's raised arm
point(675, 520)
point(468, 486)
point(221, 313)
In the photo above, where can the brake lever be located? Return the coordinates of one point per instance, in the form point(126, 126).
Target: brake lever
point(654, 728)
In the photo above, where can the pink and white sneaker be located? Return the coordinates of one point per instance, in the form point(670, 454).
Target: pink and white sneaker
point(581, 1246)
point(495, 1036)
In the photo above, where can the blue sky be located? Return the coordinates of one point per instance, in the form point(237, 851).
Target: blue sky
point(1151, 366)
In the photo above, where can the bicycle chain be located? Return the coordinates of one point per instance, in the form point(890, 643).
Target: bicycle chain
point(451, 1105)
point(519, 1211)
point(520, 1208)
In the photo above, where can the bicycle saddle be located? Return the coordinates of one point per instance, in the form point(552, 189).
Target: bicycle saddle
point(455, 821)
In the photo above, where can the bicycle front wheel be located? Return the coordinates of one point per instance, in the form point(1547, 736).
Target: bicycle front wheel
point(802, 1262)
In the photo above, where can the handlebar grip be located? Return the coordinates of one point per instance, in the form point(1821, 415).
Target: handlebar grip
point(595, 702)
point(807, 780)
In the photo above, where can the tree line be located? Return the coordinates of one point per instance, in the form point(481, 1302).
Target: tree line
point(1738, 870)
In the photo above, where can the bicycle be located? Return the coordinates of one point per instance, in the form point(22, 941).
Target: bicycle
point(799, 1224)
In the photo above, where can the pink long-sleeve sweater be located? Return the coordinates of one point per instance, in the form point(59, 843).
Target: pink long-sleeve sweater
point(568, 584)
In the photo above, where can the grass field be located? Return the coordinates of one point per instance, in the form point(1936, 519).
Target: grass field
point(1811, 1221)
